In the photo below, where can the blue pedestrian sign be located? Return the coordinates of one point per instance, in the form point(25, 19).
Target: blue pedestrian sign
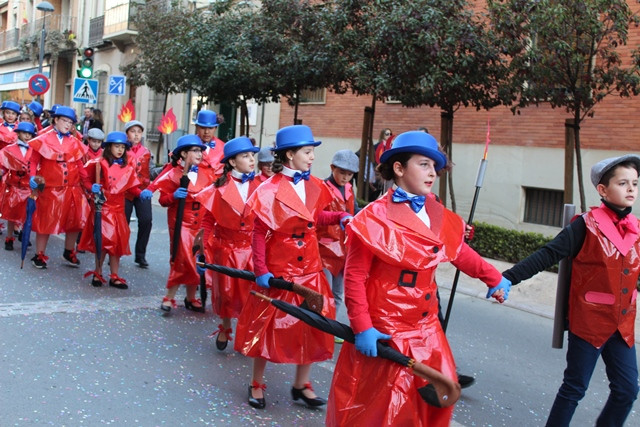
point(117, 85)
point(85, 91)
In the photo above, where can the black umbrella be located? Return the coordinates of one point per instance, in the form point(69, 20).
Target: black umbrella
point(313, 299)
point(184, 183)
point(198, 248)
point(98, 201)
point(26, 228)
point(441, 390)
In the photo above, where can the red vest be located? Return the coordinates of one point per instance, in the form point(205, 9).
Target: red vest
point(602, 297)
point(331, 237)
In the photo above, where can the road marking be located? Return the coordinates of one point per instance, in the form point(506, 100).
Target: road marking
point(80, 306)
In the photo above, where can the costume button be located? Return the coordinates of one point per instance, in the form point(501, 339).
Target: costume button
point(242, 224)
point(625, 271)
point(310, 225)
point(299, 258)
point(625, 290)
point(299, 242)
point(427, 297)
point(435, 249)
point(425, 314)
point(624, 311)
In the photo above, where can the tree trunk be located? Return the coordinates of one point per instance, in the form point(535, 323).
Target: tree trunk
point(446, 142)
point(296, 102)
point(244, 118)
point(569, 150)
point(362, 182)
point(583, 204)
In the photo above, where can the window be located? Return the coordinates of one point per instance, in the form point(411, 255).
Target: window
point(543, 206)
point(391, 100)
point(316, 96)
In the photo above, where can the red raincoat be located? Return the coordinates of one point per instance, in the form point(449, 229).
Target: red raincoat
point(389, 284)
point(15, 183)
point(115, 180)
point(211, 157)
point(7, 135)
point(291, 252)
point(331, 237)
point(139, 158)
point(61, 206)
point(183, 267)
point(228, 244)
point(261, 178)
point(602, 296)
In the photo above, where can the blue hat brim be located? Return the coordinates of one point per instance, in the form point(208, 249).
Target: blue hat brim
point(296, 145)
point(104, 144)
point(235, 153)
point(206, 125)
point(16, 130)
point(434, 155)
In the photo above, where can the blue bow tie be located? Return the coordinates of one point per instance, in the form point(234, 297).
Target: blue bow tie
point(23, 144)
point(401, 196)
point(211, 144)
point(301, 175)
point(119, 161)
point(248, 177)
point(9, 125)
point(62, 135)
point(194, 169)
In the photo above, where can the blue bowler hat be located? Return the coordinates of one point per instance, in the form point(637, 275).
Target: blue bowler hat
point(36, 107)
point(238, 145)
point(25, 127)
point(64, 111)
point(54, 107)
point(12, 106)
point(207, 119)
point(417, 142)
point(293, 137)
point(116, 137)
point(186, 142)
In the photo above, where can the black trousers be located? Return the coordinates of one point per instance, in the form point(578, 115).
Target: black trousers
point(143, 213)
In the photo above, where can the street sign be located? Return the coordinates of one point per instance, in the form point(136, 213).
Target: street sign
point(85, 91)
point(117, 85)
point(39, 84)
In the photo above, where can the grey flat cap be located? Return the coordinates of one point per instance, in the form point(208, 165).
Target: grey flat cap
point(347, 160)
point(265, 155)
point(95, 133)
point(133, 123)
point(600, 168)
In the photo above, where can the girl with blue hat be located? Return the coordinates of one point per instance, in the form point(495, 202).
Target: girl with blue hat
point(186, 158)
point(114, 177)
point(10, 111)
point(228, 229)
point(58, 157)
point(288, 207)
point(206, 125)
point(394, 246)
point(14, 168)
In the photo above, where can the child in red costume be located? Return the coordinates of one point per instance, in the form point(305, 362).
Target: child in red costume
point(288, 207)
point(394, 246)
point(139, 157)
point(265, 161)
point(227, 231)
point(183, 267)
point(206, 124)
point(14, 165)
point(95, 137)
point(331, 238)
point(604, 245)
point(61, 207)
point(10, 111)
point(116, 177)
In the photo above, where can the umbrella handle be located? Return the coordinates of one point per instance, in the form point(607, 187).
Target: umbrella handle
point(444, 390)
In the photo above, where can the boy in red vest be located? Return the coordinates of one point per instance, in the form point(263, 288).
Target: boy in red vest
point(605, 251)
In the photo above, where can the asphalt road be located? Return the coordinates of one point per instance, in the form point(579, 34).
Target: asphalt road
point(73, 355)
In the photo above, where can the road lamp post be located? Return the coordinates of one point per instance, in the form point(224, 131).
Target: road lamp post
point(44, 7)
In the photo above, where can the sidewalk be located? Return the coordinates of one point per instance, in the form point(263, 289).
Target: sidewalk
point(536, 295)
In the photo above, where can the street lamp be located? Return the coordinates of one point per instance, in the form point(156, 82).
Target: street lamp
point(44, 7)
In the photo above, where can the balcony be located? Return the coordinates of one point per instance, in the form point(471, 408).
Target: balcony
point(9, 39)
point(96, 32)
point(118, 21)
point(61, 23)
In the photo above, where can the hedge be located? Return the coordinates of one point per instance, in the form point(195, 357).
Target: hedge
point(499, 243)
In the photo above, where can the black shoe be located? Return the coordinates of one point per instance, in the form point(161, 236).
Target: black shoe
point(121, 285)
point(69, 255)
point(221, 345)
point(96, 281)
point(258, 403)
point(189, 305)
point(142, 263)
point(465, 380)
point(8, 243)
point(39, 260)
point(297, 393)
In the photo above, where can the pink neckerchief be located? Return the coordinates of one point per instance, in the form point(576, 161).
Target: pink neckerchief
point(623, 233)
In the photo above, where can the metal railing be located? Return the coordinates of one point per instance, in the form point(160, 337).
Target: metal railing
point(96, 31)
point(10, 39)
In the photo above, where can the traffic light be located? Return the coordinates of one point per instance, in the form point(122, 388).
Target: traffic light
point(85, 65)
